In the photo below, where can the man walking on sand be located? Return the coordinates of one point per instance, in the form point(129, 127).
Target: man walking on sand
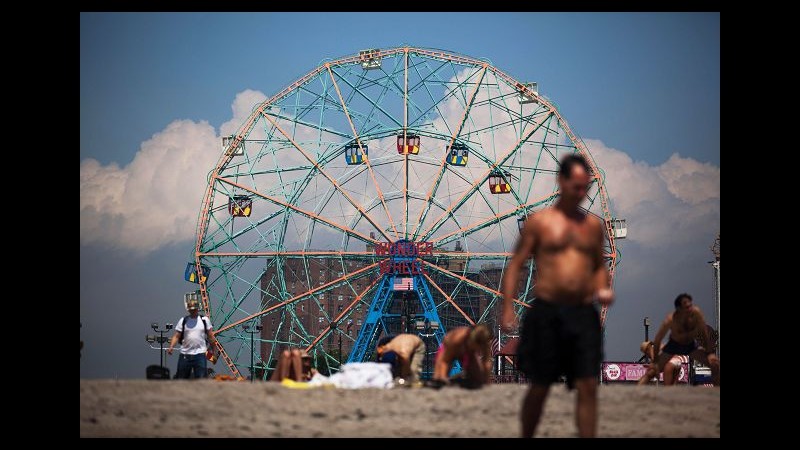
point(686, 326)
point(192, 332)
point(561, 331)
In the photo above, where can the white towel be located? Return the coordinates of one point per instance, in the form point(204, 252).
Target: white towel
point(359, 375)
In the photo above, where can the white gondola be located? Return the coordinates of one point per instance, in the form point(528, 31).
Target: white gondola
point(620, 228)
point(370, 58)
point(226, 142)
point(525, 98)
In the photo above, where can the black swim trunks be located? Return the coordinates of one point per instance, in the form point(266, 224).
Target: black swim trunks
point(560, 340)
point(674, 348)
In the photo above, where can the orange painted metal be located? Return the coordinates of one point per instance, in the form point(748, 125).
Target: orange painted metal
point(468, 281)
point(452, 140)
point(335, 184)
point(366, 159)
point(295, 208)
point(322, 335)
point(297, 298)
point(450, 300)
point(491, 169)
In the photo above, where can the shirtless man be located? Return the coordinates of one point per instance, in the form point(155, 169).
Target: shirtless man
point(405, 352)
point(685, 324)
point(465, 344)
point(561, 331)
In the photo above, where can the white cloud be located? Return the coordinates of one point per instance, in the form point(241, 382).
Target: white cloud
point(155, 200)
point(675, 202)
point(242, 106)
point(690, 180)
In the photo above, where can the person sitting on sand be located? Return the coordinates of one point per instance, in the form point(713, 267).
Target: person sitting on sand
point(405, 352)
point(470, 346)
point(293, 364)
point(673, 366)
point(686, 326)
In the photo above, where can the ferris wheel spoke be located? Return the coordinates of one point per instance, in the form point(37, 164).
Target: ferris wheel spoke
point(436, 103)
point(384, 91)
point(454, 207)
point(308, 124)
point(389, 78)
point(449, 299)
point(333, 181)
point(325, 287)
point(437, 181)
point(405, 141)
point(299, 254)
point(367, 98)
point(397, 88)
point(308, 214)
point(344, 314)
point(422, 80)
point(450, 92)
point(447, 255)
point(498, 126)
point(497, 218)
point(361, 149)
point(468, 281)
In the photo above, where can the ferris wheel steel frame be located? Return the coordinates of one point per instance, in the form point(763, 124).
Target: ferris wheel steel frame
point(549, 120)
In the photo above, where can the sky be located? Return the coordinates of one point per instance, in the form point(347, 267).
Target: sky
point(642, 90)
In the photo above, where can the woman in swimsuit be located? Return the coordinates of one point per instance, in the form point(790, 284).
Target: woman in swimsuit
point(470, 346)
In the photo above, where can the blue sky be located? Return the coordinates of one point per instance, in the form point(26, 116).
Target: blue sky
point(645, 86)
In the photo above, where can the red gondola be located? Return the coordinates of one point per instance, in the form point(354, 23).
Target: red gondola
point(409, 145)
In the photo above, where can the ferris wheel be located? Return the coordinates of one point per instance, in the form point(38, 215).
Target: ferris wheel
point(380, 192)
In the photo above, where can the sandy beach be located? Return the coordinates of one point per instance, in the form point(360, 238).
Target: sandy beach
point(149, 408)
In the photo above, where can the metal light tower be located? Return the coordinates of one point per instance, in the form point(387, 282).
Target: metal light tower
point(256, 329)
point(160, 339)
point(715, 265)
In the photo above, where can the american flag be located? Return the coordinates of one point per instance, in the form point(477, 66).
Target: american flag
point(403, 284)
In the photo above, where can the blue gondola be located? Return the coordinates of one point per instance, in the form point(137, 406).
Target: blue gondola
point(458, 155)
point(240, 206)
point(190, 274)
point(353, 155)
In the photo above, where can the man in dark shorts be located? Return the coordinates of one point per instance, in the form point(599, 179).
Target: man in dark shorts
point(561, 331)
point(688, 335)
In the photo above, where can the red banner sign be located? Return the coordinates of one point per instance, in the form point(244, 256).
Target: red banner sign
point(402, 267)
point(404, 249)
point(622, 371)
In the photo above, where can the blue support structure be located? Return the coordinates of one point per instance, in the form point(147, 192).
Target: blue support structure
point(375, 322)
point(401, 268)
point(369, 330)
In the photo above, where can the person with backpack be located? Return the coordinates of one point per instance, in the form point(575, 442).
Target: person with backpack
point(193, 332)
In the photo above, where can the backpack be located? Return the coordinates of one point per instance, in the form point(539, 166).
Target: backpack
point(199, 316)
